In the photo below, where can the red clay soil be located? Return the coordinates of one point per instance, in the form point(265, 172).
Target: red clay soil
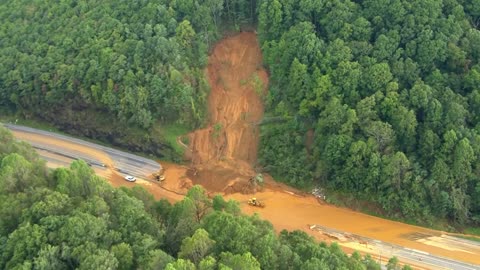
point(225, 152)
point(291, 212)
point(223, 160)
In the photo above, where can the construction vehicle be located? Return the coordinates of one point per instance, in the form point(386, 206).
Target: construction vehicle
point(256, 203)
point(159, 176)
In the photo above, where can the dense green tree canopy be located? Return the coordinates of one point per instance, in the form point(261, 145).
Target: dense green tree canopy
point(138, 61)
point(379, 99)
point(71, 219)
point(389, 90)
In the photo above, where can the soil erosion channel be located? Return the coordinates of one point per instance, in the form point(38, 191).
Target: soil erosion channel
point(224, 153)
point(223, 157)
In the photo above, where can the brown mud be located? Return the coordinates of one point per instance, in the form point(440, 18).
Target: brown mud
point(223, 159)
point(223, 154)
point(115, 178)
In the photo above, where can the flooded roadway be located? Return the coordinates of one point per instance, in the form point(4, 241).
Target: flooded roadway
point(421, 247)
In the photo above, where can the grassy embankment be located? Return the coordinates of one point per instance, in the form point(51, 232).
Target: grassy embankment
point(168, 134)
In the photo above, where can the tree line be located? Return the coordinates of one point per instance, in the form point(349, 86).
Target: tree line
point(379, 99)
point(139, 62)
point(69, 218)
point(388, 93)
point(117, 71)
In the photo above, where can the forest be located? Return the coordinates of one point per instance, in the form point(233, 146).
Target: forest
point(69, 218)
point(377, 99)
point(111, 70)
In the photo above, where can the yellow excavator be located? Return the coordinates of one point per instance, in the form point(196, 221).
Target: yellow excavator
point(256, 203)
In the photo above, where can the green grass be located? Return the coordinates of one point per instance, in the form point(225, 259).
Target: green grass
point(471, 238)
point(171, 132)
point(43, 125)
point(243, 82)
point(473, 231)
point(258, 86)
point(29, 123)
point(217, 128)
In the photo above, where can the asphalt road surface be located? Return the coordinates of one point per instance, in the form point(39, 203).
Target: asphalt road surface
point(125, 163)
point(60, 150)
point(406, 255)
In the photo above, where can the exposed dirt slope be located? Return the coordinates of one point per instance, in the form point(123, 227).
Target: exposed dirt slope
point(216, 162)
point(224, 153)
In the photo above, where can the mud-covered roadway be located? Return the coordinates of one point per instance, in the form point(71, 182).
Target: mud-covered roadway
point(285, 208)
point(222, 158)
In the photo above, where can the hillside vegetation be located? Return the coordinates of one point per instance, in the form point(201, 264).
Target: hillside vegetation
point(70, 218)
point(111, 69)
point(378, 98)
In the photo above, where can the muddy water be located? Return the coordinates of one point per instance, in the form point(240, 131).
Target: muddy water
point(221, 156)
point(290, 212)
point(226, 150)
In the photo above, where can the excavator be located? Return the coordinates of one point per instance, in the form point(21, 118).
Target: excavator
point(256, 203)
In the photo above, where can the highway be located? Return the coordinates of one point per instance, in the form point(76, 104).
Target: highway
point(125, 163)
point(60, 150)
point(384, 250)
